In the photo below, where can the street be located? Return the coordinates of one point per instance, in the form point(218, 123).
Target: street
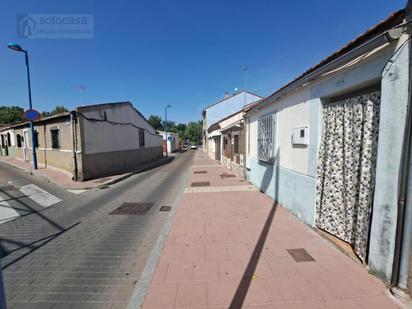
point(80, 252)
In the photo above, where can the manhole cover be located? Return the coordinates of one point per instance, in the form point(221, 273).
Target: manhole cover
point(200, 172)
point(8, 188)
point(132, 209)
point(200, 184)
point(300, 255)
point(165, 208)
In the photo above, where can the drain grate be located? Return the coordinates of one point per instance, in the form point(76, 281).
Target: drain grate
point(8, 188)
point(200, 172)
point(132, 209)
point(200, 184)
point(300, 255)
point(224, 175)
point(165, 208)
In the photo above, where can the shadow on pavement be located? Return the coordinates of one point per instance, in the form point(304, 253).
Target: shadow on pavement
point(241, 292)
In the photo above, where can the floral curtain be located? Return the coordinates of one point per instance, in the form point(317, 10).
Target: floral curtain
point(346, 169)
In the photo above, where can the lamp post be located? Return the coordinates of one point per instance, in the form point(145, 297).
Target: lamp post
point(166, 107)
point(17, 47)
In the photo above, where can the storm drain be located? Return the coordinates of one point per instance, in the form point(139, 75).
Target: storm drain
point(224, 175)
point(300, 255)
point(200, 184)
point(132, 209)
point(165, 208)
point(200, 172)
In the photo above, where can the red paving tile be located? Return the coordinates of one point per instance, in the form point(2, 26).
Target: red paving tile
point(210, 247)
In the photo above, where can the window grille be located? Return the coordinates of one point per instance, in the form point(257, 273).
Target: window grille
point(265, 139)
point(141, 138)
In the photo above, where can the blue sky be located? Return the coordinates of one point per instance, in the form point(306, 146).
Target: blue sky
point(183, 53)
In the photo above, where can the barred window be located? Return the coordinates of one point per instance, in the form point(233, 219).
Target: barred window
point(141, 138)
point(265, 139)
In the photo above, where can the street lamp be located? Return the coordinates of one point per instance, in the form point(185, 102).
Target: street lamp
point(17, 48)
point(166, 107)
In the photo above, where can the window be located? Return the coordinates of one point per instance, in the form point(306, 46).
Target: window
point(8, 139)
point(236, 144)
point(18, 137)
point(224, 143)
point(141, 138)
point(55, 138)
point(2, 142)
point(265, 139)
point(36, 139)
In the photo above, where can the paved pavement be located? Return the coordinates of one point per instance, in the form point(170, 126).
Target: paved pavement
point(75, 254)
point(231, 248)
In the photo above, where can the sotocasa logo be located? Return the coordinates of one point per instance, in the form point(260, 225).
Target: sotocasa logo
point(55, 26)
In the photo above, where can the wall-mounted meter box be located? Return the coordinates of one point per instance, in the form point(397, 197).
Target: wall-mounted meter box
point(300, 136)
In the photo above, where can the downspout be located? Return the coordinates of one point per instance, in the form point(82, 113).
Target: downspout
point(405, 166)
point(73, 138)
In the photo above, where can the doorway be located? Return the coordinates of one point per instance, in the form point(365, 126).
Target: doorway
point(346, 168)
point(217, 148)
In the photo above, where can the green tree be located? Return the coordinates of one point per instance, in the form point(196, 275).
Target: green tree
point(194, 132)
point(57, 110)
point(11, 114)
point(156, 122)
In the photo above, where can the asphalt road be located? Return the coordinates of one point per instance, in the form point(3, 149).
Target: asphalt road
point(75, 253)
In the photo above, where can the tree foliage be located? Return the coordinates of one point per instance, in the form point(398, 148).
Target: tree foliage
point(190, 132)
point(57, 110)
point(11, 114)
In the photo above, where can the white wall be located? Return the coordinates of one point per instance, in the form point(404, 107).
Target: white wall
point(102, 137)
point(291, 112)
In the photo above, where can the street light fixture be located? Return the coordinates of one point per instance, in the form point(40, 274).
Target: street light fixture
point(166, 107)
point(18, 48)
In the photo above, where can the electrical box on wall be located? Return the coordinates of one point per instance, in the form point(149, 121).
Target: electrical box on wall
point(300, 136)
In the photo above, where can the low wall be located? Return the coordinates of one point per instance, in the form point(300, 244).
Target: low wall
point(107, 163)
point(294, 191)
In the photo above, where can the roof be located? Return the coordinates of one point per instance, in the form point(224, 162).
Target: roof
point(224, 99)
point(79, 109)
point(391, 21)
point(216, 125)
point(41, 120)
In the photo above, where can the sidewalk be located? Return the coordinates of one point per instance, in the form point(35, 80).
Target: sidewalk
point(228, 247)
point(64, 179)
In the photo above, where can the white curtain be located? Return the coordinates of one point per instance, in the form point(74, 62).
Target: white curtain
point(346, 169)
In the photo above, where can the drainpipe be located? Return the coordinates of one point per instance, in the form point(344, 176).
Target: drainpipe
point(404, 168)
point(73, 134)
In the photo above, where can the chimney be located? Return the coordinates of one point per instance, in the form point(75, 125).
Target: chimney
point(226, 95)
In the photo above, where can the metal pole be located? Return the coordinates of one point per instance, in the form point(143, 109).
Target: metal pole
point(166, 128)
point(31, 122)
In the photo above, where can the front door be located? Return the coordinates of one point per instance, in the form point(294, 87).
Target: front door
point(26, 146)
point(217, 148)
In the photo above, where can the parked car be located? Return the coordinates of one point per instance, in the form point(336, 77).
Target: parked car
point(193, 147)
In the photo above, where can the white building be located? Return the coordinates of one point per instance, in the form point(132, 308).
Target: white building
point(329, 146)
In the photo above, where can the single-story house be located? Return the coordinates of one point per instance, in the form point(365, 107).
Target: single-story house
point(173, 143)
point(227, 106)
point(90, 142)
point(332, 146)
point(226, 140)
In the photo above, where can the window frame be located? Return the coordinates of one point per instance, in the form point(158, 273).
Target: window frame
point(266, 138)
point(142, 141)
point(58, 138)
point(236, 144)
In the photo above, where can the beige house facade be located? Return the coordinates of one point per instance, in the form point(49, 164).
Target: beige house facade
point(92, 141)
